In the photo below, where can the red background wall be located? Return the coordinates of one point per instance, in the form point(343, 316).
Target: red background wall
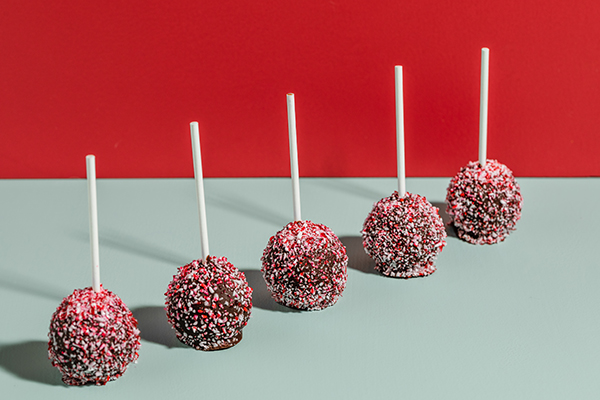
point(123, 80)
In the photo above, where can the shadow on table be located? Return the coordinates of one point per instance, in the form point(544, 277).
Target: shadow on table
point(350, 187)
point(357, 258)
point(245, 208)
point(134, 246)
point(29, 361)
point(154, 326)
point(31, 285)
point(450, 229)
point(261, 297)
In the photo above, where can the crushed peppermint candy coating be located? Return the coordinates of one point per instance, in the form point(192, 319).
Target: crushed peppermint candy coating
point(484, 203)
point(93, 337)
point(305, 266)
point(208, 302)
point(404, 236)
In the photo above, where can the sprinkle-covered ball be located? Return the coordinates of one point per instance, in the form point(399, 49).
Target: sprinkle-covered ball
point(208, 302)
point(484, 203)
point(404, 236)
point(93, 337)
point(305, 266)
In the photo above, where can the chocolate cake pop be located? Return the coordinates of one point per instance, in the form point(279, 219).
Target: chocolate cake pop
point(404, 235)
point(208, 303)
point(305, 266)
point(484, 200)
point(93, 336)
point(484, 203)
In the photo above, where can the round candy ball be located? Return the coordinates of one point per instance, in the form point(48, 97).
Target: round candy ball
point(484, 203)
point(93, 337)
point(208, 302)
point(404, 236)
point(305, 266)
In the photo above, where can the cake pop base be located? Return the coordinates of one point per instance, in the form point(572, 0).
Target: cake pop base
point(219, 346)
point(469, 237)
point(416, 272)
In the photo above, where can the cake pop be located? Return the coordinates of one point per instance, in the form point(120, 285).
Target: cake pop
point(93, 336)
point(484, 203)
point(484, 200)
point(403, 233)
point(208, 302)
point(304, 265)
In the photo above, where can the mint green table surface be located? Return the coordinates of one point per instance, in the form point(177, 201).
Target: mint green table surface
point(516, 320)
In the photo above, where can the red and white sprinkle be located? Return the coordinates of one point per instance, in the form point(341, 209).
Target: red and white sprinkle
point(404, 235)
point(93, 337)
point(305, 266)
point(208, 302)
point(484, 203)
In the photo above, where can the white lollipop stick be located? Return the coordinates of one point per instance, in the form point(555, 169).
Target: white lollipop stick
point(291, 109)
point(199, 188)
point(400, 132)
point(483, 105)
point(93, 211)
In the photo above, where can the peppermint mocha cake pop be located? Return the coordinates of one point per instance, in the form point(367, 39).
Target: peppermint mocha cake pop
point(304, 265)
point(403, 233)
point(93, 336)
point(484, 200)
point(208, 302)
